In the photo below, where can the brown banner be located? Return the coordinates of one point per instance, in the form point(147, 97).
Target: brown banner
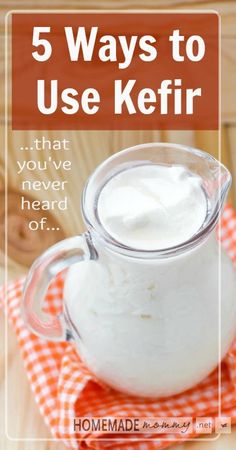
point(115, 71)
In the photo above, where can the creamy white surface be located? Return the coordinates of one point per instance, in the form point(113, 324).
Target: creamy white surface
point(152, 206)
point(150, 327)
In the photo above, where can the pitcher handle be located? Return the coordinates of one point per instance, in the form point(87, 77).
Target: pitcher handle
point(57, 258)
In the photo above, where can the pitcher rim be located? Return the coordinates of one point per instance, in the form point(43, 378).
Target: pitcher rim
point(102, 235)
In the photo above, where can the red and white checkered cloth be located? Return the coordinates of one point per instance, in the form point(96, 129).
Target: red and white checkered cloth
point(64, 388)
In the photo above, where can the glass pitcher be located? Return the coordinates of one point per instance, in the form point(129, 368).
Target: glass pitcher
point(150, 323)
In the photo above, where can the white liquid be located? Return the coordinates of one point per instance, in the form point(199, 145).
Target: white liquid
point(150, 327)
point(152, 207)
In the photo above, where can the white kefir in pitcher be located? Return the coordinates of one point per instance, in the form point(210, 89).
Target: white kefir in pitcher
point(150, 326)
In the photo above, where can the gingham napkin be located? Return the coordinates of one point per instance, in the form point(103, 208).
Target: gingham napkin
point(64, 388)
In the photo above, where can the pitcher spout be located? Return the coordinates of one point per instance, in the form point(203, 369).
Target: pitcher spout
point(224, 183)
point(211, 176)
point(217, 185)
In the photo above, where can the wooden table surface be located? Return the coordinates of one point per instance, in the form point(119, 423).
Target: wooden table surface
point(87, 150)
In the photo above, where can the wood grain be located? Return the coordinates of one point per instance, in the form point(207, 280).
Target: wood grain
point(88, 149)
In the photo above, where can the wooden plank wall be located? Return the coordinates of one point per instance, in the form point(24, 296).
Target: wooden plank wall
point(90, 148)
